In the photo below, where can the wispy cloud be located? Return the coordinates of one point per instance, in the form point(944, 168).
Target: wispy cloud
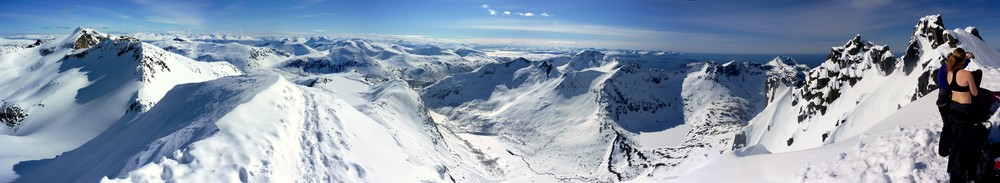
point(185, 13)
point(568, 28)
point(316, 15)
point(303, 4)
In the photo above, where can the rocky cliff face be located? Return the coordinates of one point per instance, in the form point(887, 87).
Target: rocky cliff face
point(845, 66)
point(930, 29)
point(859, 84)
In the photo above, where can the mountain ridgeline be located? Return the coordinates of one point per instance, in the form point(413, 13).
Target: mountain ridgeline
point(218, 108)
point(860, 84)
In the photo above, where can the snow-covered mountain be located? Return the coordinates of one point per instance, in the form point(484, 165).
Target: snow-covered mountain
point(861, 116)
point(73, 89)
point(227, 108)
point(614, 118)
point(860, 84)
point(418, 65)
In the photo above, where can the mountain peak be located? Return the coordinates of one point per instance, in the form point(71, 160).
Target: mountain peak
point(86, 37)
point(932, 28)
point(782, 61)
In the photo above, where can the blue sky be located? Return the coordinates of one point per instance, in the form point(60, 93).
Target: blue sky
point(781, 26)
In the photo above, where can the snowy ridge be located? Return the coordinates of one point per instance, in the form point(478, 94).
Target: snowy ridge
point(224, 108)
point(882, 128)
point(73, 89)
point(282, 131)
point(249, 59)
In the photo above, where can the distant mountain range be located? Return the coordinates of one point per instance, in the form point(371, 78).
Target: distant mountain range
point(91, 106)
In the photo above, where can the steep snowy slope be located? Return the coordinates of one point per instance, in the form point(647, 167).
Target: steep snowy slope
point(254, 128)
point(855, 89)
point(901, 148)
point(854, 119)
point(71, 89)
point(718, 101)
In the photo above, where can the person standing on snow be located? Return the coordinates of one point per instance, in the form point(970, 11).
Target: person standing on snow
point(943, 102)
point(966, 134)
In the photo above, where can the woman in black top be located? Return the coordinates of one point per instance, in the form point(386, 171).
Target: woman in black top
point(966, 146)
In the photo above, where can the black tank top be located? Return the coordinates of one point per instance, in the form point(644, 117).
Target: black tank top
point(954, 86)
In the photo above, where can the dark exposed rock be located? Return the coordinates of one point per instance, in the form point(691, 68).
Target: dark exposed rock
point(87, 39)
point(930, 28)
point(11, 114)
point(975, 32)
point(952, 42)
point(843, 67)
point(323, 65)
point(45, 51)
point(37, 43)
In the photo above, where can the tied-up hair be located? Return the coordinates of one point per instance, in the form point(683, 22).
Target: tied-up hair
point(956, 60)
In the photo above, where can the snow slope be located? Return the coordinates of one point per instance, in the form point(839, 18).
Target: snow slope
point(225, 108)
point(870, 130)
point(602, 114)
point(71, 95)
point(255, 128)
point(902, 148)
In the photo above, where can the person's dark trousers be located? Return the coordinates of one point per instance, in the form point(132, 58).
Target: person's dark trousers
point(967, 143)
point(945, 140)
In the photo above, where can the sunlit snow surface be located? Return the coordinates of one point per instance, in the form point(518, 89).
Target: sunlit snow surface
point(224, 108)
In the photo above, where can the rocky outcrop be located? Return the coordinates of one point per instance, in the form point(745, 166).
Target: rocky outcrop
point(843, 68)
point(783, 72)
point(930, 28)
point(87, 38)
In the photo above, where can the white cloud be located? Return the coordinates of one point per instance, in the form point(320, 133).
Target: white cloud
point(523, 14)
point(319, 30)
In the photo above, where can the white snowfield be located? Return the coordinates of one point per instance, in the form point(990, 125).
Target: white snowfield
point(226, 108)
